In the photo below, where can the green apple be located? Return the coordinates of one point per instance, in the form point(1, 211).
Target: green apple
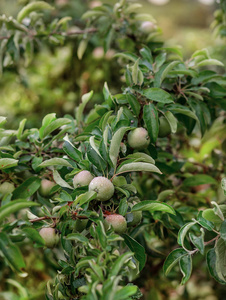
point(138, 138)
point(46, 186)
point(118, 223)
point(164, 127)
point(50, 236)
point(137, 216)
point(83, 178)
point(6, 188)
point(103, 187)
point(80, 224)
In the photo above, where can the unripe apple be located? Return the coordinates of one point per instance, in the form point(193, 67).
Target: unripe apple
point(164, 127)
point(46, 186)
point(138, 138)
point(82, 178)
point(103, 187)
point(50, 236)
point(6, 188)
point(147, 27)
point(118, 223)
point(137, 216)
point(80, 224)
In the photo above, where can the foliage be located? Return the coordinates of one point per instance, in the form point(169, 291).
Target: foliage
point(176, 183)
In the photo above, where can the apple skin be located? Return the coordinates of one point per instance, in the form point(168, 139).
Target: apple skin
point(147, 27)
point(103, 187)
point(83, 178)
point(46, 186)
point(50, 236)
point(138, 138)
point(118, 223)
point(80, 225)
point(137, 217)
point(6, 188)
point(164, 127)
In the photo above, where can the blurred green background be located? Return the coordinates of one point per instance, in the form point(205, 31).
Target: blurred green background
point(56, 79)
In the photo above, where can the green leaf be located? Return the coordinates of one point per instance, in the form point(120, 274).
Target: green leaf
point(54, 125)
point(172, 259)
point(138, 250)
point(55, 162)
point(209, 215)
point(135, 70)
point(163, 72)
point(185, 263)
point(14, 206)
point(60, 181)
point(158, 95)
point(198, 180)
point(84, 198)
point(198, 241)
point(118, 264)
point(211, 263)
point(33, 235)
point(77, 237)
point(101, 234)
point(123, 206)
point(209, 62)
point(6, 163)
point(27, 188)
point(138, 167)
point(223, 230)
point(21, 128)
point(12, 254)
point(177, 108)
point(3, 120)
point(80, 109)
point(134, 103)
point(172, 121)
point(125, 293)
point(115, 144)
point(34, 6)
point(150, 116)
point(140, 156)
point(220, 250)
point(70, 150)
point(182, 233)
point(153, 206)
point(82, 48)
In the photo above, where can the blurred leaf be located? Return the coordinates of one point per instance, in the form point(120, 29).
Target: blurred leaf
point(158, 95)
point(198, 180)
point(34, 6)
point(27, 188)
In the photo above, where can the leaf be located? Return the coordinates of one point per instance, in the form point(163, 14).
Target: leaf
point(172, 259)
point(84, 198)
point(185, 263)
point(220, 250)
point(153, 206)
point(209, 62)
point(123, 206)
point(54, 125)
point(115, 144)
point(138, 250)
point(140, 156)
point(21, 128)
point(77, 237)
point(55, 162)
point(6, 163)
point(82, 48)
point(96, 159)
point(14, 206)
point(182, 233)
point(33, 235)
point(34, 6)
point(60, 181)
point(177, 108)
point(158, 95)
point(118, 264)
point(172, 121)
point(198, 241)
point(138, 167)
point(12, 254)
point(135, 69)
point(70, 150)
point(134, 103)
point(150, 116)
point(223, 230)
point(79, 111)
point(198, 180)
point(163, 72)
point(211, 263)
point(125, 293)
point(27, 188)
